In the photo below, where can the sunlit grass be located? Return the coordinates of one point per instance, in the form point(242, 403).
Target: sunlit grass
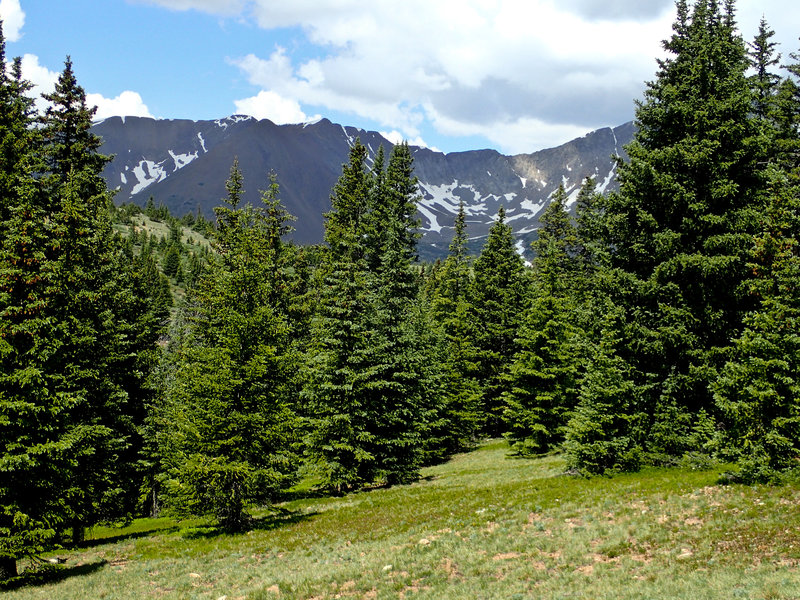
point(479, 526)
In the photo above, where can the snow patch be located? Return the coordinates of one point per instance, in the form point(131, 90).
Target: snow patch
point(532, 206)
point(607, 181)
point(433, 223)
point(520, 248)
point(147, 173)
point(181, 160)
point(202, 142)
point(233, 119)
point(573, 197)
point(524, 181)
point(123, 178)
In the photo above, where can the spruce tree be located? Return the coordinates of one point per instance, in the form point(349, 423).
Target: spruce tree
point(758, 388)
point(340, 420)
point(74, 351)
point(366, 370)
point(450, 307)
point(603, 434)
point(498, 302)
point(543, 376)
point(232, 439)
point(32, 411)
point(681, 225)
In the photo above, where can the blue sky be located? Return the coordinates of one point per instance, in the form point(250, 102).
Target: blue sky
point(515, 75)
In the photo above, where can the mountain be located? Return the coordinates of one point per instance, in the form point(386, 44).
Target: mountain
point(184, 165)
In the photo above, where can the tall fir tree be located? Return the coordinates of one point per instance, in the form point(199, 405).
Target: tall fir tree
point(32, 412)
point(681, 225)
point(74, 349)
point(543, 377)
point(366, 364)
point(229, 423)
point(450, 305)
point(498, 302)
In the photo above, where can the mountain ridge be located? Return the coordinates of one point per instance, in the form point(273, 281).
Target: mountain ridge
point(184, 165)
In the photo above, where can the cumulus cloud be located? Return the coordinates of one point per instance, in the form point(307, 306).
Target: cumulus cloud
point(480, 68)
point(270, 105)
point(13, 19)
point(522, 73)
point(127, 104)
point(43, 79)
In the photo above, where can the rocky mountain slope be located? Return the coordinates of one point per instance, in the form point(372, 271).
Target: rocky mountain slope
point(185, 164)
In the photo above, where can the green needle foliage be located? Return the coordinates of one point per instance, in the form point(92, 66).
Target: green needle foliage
point(499, 299)
point(543, 376)
point(228, 423)
point(75, 351)
point(367, 368)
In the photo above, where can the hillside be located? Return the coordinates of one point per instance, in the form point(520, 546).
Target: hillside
point(479, 526)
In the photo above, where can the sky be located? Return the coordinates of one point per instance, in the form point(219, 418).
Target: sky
point(453, 75)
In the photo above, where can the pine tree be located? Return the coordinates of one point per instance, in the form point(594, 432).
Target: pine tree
point(498, 303)
point(543, 376)
point(231, 441)
point(681, 225)
point(450, 307)
point(758, 389)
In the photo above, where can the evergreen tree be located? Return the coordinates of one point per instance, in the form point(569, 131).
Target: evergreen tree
point(498, 303)
point(74, 352)
point(681, 225)
point(764, 82)
point(171, 264)
point(542, 378)
point(450, 306)
point(31, 410)
point(758, 389)
point(366, 367)
point(602, 435)
point(231, 441)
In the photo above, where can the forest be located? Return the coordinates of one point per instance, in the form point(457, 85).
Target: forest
point(210, 371)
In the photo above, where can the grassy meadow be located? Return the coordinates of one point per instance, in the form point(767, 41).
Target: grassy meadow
point(480, 526)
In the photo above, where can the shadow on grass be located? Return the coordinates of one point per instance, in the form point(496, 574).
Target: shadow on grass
point(47, 574)
point(113, 539)
point(279, 518)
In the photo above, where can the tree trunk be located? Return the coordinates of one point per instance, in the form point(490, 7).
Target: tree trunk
point(8, 567)
point(78, 533)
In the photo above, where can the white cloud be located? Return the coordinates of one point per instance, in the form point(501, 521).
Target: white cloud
point(270, 105)
point(498, 69)
point(127, 104)
point(517, 136)
point(523, 73)
point(43, 79)
point(395, 137)
point(13, 18)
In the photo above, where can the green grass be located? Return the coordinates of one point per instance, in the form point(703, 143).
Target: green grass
point(480, 526)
